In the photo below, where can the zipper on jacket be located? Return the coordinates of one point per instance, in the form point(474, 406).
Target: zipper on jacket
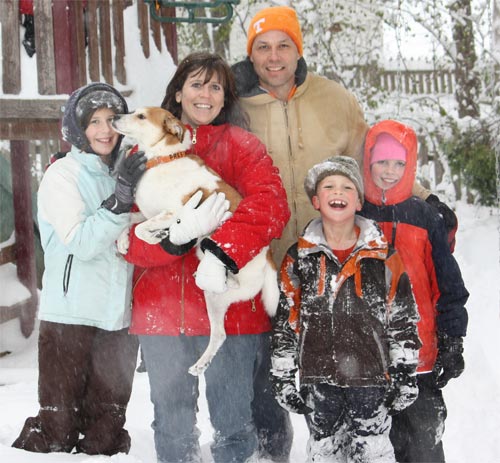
point(67, 273)
point(290, 167)
point(193, 140)
point(138, 279)
point(393, 237)
point(182, 328)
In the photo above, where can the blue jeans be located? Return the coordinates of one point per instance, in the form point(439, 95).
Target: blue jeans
point(174, 393)
point(273, 423)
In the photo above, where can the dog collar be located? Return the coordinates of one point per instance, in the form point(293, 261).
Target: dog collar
point(164, 159)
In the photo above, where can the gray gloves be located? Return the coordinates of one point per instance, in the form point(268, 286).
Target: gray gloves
point(287, 395)
point(129, 173)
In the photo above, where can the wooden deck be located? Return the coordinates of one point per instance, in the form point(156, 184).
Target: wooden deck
point(77, 42)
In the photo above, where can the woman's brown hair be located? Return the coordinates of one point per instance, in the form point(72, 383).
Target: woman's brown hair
point(199, 62)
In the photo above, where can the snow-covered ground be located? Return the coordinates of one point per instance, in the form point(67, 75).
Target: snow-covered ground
point(473, 424)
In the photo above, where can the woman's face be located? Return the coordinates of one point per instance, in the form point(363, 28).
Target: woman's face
point(100, 133)
point(201, 102)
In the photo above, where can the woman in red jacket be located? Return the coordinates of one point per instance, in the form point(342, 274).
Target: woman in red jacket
point(169, 312)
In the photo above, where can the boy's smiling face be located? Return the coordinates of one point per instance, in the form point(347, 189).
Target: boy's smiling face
point(387, 173)
point(336, 198)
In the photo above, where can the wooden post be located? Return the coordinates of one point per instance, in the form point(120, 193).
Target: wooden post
point(170, 33)
point(66, 69)
point(11, 69)
point(143, 23)
point(23, 224)
point(119, 40)
point(93, 40)
point(45, 54)
point(105, 41)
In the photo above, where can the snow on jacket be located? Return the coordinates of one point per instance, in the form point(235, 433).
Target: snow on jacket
point(344, 323)
point(322, 119)
point(166, 298)
point(85, 282)
point(418, 233)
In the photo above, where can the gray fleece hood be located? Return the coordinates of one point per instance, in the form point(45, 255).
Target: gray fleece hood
point(89, 98)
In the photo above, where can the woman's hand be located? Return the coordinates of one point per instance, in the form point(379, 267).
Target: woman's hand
point(211, 274)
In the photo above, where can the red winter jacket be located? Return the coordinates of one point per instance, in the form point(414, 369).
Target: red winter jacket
point(418, 233)
point(166, 300)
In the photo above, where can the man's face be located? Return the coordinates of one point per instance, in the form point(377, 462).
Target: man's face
point(274, 57)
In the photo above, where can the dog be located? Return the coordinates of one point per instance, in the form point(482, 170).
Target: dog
point(173, 175)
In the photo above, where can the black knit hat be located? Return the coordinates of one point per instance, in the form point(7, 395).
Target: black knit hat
point(82, 104)
point(341, 165)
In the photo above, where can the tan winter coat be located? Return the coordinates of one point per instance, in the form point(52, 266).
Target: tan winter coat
point(321, 120)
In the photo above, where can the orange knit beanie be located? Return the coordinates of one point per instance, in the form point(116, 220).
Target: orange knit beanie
point(281, 18)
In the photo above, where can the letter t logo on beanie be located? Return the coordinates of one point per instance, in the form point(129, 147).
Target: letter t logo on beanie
point(257, 27)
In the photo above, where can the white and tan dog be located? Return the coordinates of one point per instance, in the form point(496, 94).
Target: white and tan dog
point(171, 178)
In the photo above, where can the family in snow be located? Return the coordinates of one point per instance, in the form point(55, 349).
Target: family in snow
point(371, 315)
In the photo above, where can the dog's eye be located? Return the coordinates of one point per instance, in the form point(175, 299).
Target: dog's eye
point(141, 116)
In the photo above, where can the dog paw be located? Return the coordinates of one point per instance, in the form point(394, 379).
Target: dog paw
point(232, 281)
point(197, 369)
point(155, 229)
point(123, 242)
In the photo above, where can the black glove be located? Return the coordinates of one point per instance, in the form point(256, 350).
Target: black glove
point(402, 392)
point(450, 360)
point(129, 173)
point(287, 395)
point(449, 217)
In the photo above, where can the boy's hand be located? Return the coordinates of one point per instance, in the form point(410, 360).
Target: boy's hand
point(450, 360)
point(287, 395)
point(402, 392)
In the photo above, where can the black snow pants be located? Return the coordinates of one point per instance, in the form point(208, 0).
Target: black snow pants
point(347, 424)
point(417, 431)
point(84, 385)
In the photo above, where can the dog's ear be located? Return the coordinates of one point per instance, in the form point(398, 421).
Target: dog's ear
point(175, 127)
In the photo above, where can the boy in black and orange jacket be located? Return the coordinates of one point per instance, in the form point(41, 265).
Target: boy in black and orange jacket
point(347, 322)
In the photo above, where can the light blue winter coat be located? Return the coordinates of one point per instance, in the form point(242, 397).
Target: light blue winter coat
point(93, 287)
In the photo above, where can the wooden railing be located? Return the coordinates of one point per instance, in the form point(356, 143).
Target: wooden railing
point(79, 34)
point(76, 41)
point(419, 82)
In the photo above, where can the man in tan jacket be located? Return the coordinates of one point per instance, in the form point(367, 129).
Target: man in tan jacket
point(301, 117)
